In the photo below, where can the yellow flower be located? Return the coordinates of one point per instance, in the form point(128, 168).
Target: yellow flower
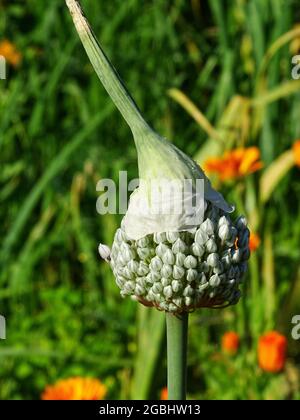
point(296, 150)
point(235, 163)
point(75, 389)
point(10, 53)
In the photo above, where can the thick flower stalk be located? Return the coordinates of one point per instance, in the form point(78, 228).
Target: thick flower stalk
point(175, 261)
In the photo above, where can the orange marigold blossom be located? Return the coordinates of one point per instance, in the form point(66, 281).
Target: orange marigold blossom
point(75, 388)
point(296, 150)
point(164, 393)
point(272, 351)
point(10, 53)
point(254, 241)
point(230, 342)
point(235, 163)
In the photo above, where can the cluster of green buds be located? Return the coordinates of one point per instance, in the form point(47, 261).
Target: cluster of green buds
point(174, 262)
point(181, 271)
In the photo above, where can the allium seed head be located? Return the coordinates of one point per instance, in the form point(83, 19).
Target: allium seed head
point(181, 271)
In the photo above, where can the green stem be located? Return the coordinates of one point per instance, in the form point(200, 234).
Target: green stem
point(177, 329)
point(106, 72)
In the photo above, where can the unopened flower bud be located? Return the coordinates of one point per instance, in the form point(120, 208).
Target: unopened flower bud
point(168, 257)
point(172, 307)
point(188, 291)
point(236, 256)
point(168, 292)
point(190, 262)
point(243, 239)
point(223, 221)
point(161, 249)
point(180, 258)
point(167, 270)
point(203, 287)
point(197, 249)
point(159, 237)
point(207, 227)
point(176, 286)
point(241, 222)
point(211, 246)
point(212, 260)
point(104, 252)
point(129, 286)
point(121, 260)
point(143, 242)
point(224, 232)
point(156, 264)
point(139, 290)
point(191, 275)
point(143, 269)
point(179, 246)
point(188, 301)
point(202, 278)
point(121, 236)
point(226, 259)
point(201, 237)
point(157, 287)
point(218, 269)
point(165, 282)
point(172, 237)
point(143, 253)
point(142, 281)
point(178, 272)
point(133, 266)
point(178, 302)
point(214, 281)
point(205, 267)
point(120, 281)
point(127, 273)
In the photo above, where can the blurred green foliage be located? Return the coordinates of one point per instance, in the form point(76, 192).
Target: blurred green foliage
point(59, 134)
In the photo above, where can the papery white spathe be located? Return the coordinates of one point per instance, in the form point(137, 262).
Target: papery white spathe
point(182, 190)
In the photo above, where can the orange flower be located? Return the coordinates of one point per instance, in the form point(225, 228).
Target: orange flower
point(296, 150)
point(230, 342)
point(254, 241)
point(235, 163)
point(272, 351)
point(10, 53)
point(75, 389)
point(164, 393)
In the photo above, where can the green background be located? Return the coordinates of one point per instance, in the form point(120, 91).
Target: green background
point(60, 134)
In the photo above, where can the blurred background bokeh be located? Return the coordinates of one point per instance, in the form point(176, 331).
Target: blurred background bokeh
point(216, 78)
